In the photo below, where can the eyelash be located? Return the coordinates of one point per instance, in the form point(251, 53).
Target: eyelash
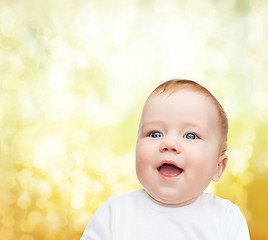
point(150, 134)
point(196, 136)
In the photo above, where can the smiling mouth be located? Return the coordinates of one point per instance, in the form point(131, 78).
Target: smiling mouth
point(169, 170)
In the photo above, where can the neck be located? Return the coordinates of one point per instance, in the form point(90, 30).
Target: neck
point(172, 205)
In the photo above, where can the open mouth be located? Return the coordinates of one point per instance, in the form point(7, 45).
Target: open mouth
point(169, 170)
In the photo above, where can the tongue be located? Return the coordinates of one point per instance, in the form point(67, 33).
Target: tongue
point(170, 170)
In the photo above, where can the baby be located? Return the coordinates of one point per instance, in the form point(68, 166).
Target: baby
point(180, 149)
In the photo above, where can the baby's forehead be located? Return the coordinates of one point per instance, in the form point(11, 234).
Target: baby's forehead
point(183, 100)
point(187, 93)
point(180, 104)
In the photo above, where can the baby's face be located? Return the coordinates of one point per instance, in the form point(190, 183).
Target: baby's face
point(177, 151)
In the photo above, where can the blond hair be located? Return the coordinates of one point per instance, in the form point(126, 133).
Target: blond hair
point(175, 85)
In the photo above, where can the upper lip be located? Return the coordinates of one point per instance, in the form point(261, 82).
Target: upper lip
point(168, 162)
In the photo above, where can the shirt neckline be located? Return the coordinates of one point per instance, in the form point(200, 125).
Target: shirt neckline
point(160, 208)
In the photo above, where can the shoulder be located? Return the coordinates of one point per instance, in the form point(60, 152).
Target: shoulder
point(128, 198)
point(217, 202)
point(105, 219)
point(120, 203)
point(230, 216)
point(223, 208)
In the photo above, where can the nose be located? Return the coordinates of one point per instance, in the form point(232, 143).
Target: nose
point(169, 145)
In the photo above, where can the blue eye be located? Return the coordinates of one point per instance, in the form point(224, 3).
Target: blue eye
point(190, 136)
point(156, 134)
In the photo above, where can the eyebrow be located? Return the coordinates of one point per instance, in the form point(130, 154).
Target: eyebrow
point(152, 122)
point(144, 125)
point(202, 130)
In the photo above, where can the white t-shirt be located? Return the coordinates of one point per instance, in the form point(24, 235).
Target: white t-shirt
point(134, 216)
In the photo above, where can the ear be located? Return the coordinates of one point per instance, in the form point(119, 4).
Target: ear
point(222, 163)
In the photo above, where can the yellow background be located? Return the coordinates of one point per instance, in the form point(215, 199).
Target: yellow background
point(73, 78)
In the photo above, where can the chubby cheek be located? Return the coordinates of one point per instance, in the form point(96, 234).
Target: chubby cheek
point(143, 161)
point(143, 152)
point(202, 169)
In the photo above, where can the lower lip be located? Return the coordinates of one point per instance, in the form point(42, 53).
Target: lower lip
point(169, 178)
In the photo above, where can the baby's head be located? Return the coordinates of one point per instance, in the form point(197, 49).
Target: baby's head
point(176, 85)
point(181, 142)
